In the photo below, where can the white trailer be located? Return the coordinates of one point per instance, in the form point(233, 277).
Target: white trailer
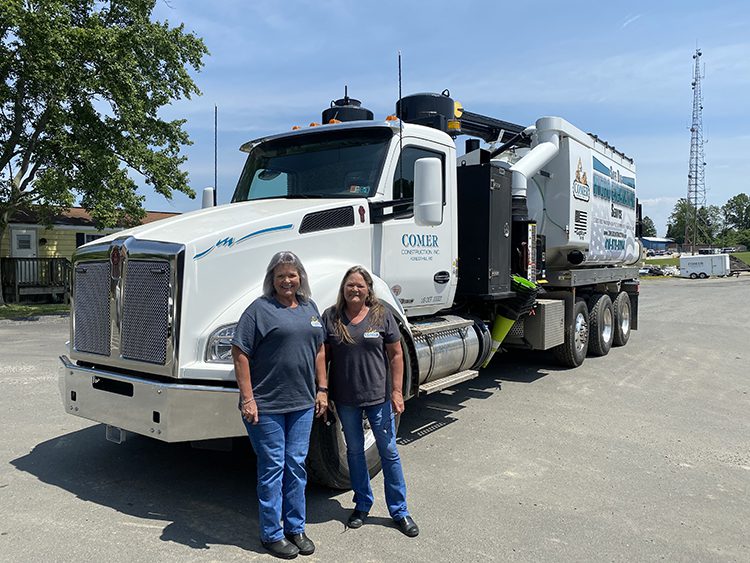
point(459, 248)
point(704, 265)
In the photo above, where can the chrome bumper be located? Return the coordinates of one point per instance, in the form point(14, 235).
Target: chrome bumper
point(171, 412)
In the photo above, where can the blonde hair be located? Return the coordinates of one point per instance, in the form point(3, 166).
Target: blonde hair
point(377, 310)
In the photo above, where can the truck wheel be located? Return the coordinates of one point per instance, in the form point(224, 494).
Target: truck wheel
point(326, 460)
point(621, 307)
point(601, 324)
point(572, 352)
point(702, 275)
point(693, 276)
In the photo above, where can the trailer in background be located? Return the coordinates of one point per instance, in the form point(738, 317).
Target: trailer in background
point(704, 266)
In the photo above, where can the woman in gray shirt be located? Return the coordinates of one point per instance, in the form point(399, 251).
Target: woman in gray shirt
point(279, 338)
point(362, 342)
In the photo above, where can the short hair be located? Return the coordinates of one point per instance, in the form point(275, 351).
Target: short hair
point(286, 257)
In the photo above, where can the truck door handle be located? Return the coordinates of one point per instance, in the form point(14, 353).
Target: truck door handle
point(442, 277)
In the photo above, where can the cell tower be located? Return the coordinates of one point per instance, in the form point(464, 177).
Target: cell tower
point(696, 194)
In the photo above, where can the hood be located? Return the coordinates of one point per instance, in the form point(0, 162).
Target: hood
point(212, 225)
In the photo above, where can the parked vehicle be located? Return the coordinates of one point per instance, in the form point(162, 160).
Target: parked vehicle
point(704, 265)
point(462, 249)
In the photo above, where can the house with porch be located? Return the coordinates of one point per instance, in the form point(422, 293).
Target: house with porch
point(35, 260)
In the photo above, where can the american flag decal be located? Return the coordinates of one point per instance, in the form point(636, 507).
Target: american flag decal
point(581, 222)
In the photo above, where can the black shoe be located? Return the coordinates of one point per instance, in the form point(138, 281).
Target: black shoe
point(356, 519)
point(408, 526)
point(303, 543)
point(283, 548)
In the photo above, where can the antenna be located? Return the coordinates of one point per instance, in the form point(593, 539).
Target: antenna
point(696, 194)
point(400, 121)
point(216, 152)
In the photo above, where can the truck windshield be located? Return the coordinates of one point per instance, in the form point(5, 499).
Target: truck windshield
point(329, 164)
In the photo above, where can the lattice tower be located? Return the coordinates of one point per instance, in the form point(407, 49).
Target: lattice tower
point(696, 195)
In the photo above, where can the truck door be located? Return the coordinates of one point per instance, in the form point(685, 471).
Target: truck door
point(415, 261)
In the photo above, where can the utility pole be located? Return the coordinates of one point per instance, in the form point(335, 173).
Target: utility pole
point(696, 194)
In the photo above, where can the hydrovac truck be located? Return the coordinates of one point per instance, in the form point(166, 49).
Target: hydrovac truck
point(528, 239)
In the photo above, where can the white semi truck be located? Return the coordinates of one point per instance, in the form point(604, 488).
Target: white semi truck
point(526, 241)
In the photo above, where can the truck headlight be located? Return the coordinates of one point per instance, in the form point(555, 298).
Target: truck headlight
point(219, 348)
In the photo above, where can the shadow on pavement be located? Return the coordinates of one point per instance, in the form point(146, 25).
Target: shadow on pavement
point(208, 497)
point(430, 413)
point(203, 497)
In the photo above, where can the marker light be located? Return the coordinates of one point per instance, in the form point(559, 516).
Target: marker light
point(334, 120)
point(391, 118)
point(314, 124)
point(296, 128)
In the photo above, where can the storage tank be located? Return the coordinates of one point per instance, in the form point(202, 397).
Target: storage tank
point(584, 203)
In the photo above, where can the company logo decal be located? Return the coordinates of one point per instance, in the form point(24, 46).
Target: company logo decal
point(419, 247)
point(581, 189)
point(229, 241)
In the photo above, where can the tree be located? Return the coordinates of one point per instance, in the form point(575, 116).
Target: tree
point(708, 221)
point(83, 82)
point(736, 212)
point(648, 227)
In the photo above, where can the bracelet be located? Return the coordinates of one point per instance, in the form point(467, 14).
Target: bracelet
point(247, 401)
point(323, 389)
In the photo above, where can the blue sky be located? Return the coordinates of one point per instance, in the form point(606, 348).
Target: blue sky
point(620, 70)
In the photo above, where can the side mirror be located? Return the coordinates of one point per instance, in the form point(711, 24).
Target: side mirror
point(428, 192)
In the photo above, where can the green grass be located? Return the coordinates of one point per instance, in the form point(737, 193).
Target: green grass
point(744, 256)
point(17, 311)
point(663, 262)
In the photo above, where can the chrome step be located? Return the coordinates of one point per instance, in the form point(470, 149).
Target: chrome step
point(442, 324)
point(445, 382)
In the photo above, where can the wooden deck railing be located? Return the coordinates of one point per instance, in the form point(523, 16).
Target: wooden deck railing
point(34, 276)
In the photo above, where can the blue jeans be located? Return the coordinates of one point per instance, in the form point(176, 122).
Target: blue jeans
point(281, 442)
point(383, 427)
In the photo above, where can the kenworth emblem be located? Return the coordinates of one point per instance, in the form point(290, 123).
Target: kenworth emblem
point(117, 256)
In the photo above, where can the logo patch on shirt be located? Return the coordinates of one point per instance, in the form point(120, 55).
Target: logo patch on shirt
point(314, 321)
point(372, 334)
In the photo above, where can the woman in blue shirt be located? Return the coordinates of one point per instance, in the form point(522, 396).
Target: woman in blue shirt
point(279, 339)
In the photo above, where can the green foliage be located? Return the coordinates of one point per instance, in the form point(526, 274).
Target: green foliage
point(708, 220)
point(649, 229)
point(82, 85)
point(21, 311)
point(736, 212)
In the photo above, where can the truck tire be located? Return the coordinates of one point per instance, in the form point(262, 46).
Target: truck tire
point(703, 275)
point(601, 324)
point(326, 460)
point(693, 276)
point(621, 307)
point(572, 352)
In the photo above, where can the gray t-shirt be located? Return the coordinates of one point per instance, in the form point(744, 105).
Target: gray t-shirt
point(358, 373)
point(281, 343)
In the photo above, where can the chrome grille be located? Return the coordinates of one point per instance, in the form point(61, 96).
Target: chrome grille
point(145, 317)
point(91, 318)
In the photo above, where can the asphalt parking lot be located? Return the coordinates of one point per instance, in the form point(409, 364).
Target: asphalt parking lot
point(643, 455)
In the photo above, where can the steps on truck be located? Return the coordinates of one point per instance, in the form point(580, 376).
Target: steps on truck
point(441, 324)
point(445, 382)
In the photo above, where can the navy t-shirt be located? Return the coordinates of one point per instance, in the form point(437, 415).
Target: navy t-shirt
point(282, 343)
point(358, 373)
